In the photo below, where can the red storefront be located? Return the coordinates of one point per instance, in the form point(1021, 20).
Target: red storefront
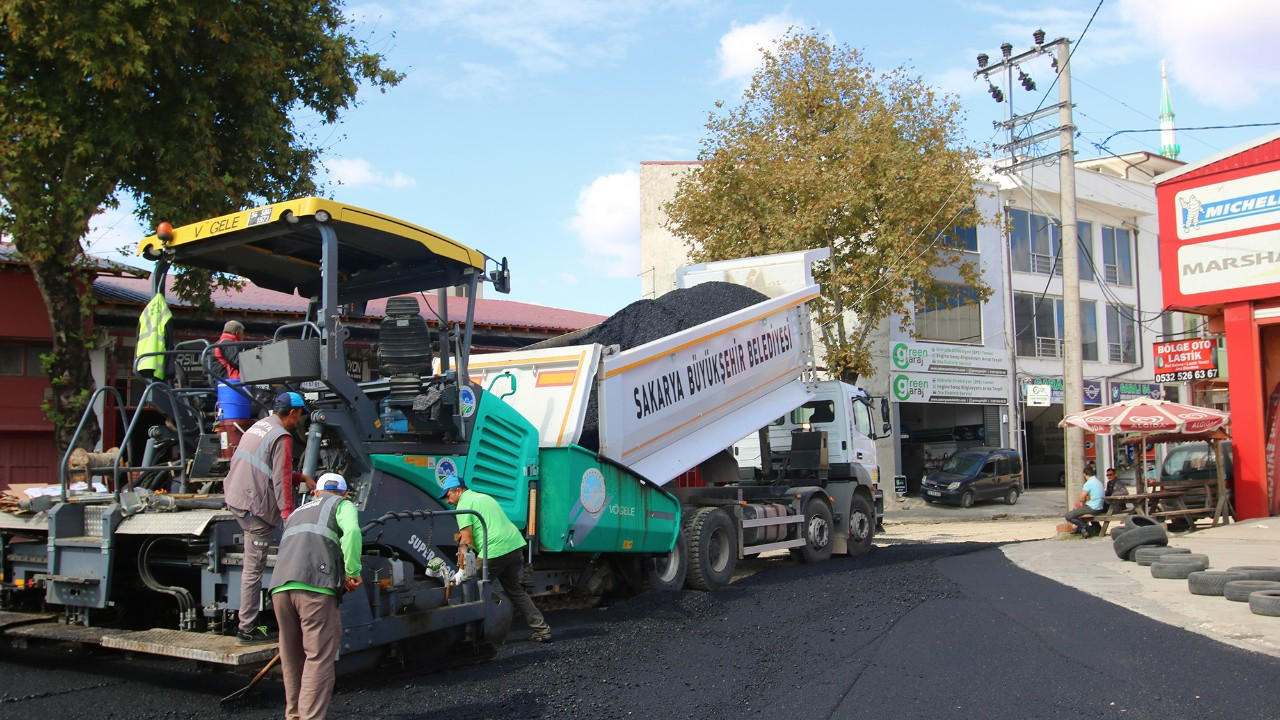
point(1220, 256)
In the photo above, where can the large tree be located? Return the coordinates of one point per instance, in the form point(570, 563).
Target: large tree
point(190, 107)
point(824, 152)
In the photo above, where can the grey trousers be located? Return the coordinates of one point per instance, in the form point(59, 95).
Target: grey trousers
point(1073, 517)
point(257, 541)
point(310, 636)
point(509, 569)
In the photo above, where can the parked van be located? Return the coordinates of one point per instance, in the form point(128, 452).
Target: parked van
point(980, 473)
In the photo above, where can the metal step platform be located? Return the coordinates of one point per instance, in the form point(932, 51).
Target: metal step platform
point(202, 647)
point(16, 619)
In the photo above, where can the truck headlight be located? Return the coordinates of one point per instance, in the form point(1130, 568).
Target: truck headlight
point(954, 486)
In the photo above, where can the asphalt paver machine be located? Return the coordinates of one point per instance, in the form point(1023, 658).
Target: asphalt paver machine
point(154, 563)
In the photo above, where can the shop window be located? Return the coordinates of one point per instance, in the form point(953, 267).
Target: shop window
point(1122, 335)
point(953, 314)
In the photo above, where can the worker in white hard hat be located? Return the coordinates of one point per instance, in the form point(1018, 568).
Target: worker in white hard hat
point(318, 561)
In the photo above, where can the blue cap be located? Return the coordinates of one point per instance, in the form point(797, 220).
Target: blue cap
point(332, 482)
point(449, 483)
point(290, 400)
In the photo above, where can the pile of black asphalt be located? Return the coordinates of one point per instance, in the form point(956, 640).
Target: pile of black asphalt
point(645, 321)
point(910, 631)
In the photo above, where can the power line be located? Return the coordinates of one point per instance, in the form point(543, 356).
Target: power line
point(1203, 127)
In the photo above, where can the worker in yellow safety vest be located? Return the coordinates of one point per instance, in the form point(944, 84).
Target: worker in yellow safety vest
point(153, 336)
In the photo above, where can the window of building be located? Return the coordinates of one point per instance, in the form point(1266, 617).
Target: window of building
point(1040, 328)
point(11, 359)
point(1084, 231)
point(952, 315)
point(1034, 241)
point(1122, 334)
point(34, 367)
point(1117, 256)
point(963, 237)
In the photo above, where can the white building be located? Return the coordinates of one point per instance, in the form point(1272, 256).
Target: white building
point(957, 378)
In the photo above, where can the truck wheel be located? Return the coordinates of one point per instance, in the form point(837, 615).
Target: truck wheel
point(667, 574)
point(713, 549)
point(817, 528)
point(862, 525)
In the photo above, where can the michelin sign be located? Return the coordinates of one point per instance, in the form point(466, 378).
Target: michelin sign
point(1227, 263)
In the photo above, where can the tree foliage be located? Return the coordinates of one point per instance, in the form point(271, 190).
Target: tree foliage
point(824, 152)
point(191, 107)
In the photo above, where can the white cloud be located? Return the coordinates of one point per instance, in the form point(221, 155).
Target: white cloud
point(353, 172)
point(569, 279)
point(1223, 51)
point(608, 223)
point(739, 52)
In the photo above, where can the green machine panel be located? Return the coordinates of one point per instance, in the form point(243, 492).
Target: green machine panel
point(587, 504)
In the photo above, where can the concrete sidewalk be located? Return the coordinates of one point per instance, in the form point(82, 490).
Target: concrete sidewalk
point(1092, 566)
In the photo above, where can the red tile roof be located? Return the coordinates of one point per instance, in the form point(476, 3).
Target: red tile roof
point(253, 298)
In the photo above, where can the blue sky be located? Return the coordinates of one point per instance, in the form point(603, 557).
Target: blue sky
point(521, 124)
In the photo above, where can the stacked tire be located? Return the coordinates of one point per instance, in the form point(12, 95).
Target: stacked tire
point(1139, 531)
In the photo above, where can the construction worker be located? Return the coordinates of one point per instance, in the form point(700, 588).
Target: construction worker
point(229, 357)
point(505, 549)
point(259, 492)
point(320, 538)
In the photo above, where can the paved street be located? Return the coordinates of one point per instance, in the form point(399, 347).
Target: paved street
point(952, 630)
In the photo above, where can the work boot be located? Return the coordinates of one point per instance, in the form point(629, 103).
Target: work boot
point(257, 636)
point(541, 636)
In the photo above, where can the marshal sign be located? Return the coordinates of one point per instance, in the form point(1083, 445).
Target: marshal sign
point(1184, 360)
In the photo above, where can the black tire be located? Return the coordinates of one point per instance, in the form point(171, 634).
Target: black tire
point(1062, 479)
point(1210, 582)
point(1239, 590)
point(928, 500)
point(1134, 538)
point(862, 526)
point(713, 549)
point(666, 574)
point(966, 500)
point(1117, 530)
point(1258, 572)
point(1011, 497)
point(1135, 521)
point(1174, 570)
point(1148, 554)
point(1265, 602)
point(817, 530)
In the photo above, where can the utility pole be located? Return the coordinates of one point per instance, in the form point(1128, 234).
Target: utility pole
point(1073, 367)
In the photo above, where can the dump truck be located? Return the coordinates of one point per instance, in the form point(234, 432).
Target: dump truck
point(153, 565)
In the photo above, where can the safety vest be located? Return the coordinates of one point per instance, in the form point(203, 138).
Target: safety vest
point(309, 549)
point(250, 485)
point(151, 328)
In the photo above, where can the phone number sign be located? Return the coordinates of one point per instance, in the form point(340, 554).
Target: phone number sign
point(1183, 360)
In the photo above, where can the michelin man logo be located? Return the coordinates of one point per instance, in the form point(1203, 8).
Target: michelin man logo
point(1192, 209)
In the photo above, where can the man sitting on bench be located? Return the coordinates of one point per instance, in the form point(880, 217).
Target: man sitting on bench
point(1089, 505)
point(1116, 486)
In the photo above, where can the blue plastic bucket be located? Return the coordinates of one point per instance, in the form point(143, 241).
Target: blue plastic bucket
point(231, 404)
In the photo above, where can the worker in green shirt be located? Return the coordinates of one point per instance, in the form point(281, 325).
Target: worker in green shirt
point(505, 549)
point(318, 560)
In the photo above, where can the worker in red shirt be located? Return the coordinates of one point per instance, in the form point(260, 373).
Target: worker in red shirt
point(259, 492)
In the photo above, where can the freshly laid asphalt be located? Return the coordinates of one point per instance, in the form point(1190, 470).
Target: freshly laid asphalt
point(912, 631)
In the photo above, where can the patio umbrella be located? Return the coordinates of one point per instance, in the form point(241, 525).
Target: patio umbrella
point(1146, 416)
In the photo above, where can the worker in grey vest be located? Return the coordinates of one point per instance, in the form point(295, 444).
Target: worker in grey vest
point(259, 492)
point(319, 559)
